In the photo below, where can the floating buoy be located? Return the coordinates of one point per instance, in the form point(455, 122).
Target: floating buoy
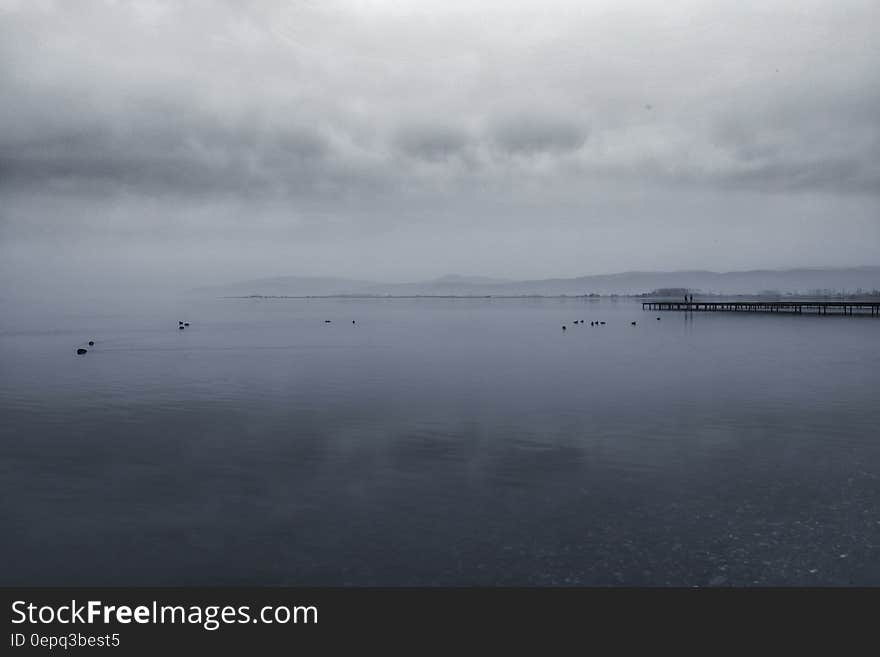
point(633, 323)
point(658, 319)
point(179, 322)
point(181, 327)
point(91, 343)
point(563, 327)
point(326, 321)
point(602, 323)
point(82, 351)
point(352, 321)
point(186, 323)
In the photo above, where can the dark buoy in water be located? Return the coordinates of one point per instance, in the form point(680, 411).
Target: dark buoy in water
point(82, 351)
point(602, 323)
point(563, 327)
point(181, 327)
point(186, 323)
point(633, 323)
point(352, 321)
point(91, 343)
point(179, 322)
point(658, 319)
point(326, 321)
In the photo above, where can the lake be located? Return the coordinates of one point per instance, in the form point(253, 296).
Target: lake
point(436, 442)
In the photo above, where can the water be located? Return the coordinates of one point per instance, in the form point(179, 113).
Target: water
point(437, 442)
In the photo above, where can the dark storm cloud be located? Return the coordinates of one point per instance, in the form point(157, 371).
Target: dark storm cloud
point(529, 135)
point(841, 176)
point(168, 149)
point(432, 142)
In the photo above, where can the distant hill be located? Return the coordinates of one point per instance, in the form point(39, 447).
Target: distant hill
point(799, 281)
point(290, 286)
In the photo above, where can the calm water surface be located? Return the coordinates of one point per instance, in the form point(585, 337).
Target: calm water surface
point(436, 442)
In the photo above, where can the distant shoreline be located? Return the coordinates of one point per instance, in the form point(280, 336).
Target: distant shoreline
point(422, 296)
point(588, 297)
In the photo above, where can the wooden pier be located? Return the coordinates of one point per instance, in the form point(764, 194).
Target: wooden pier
point(871, 308)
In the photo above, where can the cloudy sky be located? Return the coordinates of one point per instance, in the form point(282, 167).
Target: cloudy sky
point(202, 142)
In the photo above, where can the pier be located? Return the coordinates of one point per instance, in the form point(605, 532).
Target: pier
point(871, 308)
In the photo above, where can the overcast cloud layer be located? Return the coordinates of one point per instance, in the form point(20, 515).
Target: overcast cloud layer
point(208, 141)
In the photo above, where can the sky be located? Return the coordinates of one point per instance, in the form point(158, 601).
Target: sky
point(190, 143)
